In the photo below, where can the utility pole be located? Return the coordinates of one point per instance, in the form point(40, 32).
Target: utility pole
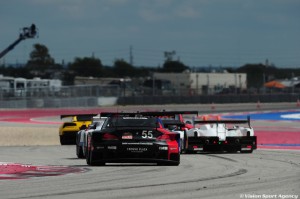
point(293, 83)
point(130, 56)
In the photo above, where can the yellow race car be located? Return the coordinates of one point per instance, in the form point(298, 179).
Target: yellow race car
point(68, 130)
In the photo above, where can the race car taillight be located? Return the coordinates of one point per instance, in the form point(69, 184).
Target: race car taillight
point(108, 136)
point(167, 137)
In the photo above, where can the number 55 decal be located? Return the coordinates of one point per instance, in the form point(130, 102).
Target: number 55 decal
point(147, 134)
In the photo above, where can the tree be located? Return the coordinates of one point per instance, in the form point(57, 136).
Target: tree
point(15, 72)
point(40, 59)
point(87, 66)
point(255, 74)
point(169, 55)
point(123, 69)
point(174, 66)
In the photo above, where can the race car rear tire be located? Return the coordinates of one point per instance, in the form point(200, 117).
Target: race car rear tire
point(79, 151)
point(63, 140)
point(168, 163)
point(232, 150)
point(184, 143)
point(176, 159)
point(87, 157)
point(93, 163)
point(181, 146)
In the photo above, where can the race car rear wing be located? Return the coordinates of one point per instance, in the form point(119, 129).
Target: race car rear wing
point(76, 115)
point(173, 122)
point(169, 123)
point(223, 121)
point(148, 113)
point(120, 114)
point(127, 114)
point(168, 113)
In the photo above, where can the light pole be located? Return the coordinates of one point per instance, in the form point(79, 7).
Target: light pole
point(207, 76)
point(197, 88)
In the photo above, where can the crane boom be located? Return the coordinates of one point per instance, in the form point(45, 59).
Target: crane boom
point(26, 33)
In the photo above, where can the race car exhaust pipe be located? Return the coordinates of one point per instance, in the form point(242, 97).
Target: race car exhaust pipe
point(206, 141)
point(237, 141)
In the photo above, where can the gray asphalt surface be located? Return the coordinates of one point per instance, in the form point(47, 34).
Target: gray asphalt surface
point(262, 174)
point(268, 172)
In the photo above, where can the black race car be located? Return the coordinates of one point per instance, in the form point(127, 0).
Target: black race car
point(132, 138)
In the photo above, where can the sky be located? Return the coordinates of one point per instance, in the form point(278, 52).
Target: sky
point(200, 32)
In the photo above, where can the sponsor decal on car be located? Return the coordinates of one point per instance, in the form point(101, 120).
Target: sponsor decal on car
point(138, 118)
point(137, 149)
point(163, 148)
point(137, 143)
point(112, 147)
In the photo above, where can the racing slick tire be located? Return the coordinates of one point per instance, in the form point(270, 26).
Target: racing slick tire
point(79, 152)
point(175, 161)
point(168, 164)
point(174, 164)
point(181, 146)
point(232, 150)
point(63, 140)
point(184, 143)
point(93, 163)
point(87, 158)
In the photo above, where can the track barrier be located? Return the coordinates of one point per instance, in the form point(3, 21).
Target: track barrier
point(258, 105)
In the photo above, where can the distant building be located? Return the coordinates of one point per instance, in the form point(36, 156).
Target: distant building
point(123, 86)
point(21, 87)
point(80, 80)
point(205, 83)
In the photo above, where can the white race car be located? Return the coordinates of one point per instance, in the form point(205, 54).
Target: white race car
point(174, 121)
point(221, 135)
point(178, 127)
point(81, 139)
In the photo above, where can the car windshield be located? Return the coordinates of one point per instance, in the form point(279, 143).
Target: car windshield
point(132, 122)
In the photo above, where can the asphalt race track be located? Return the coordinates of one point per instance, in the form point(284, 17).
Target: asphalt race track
point(53, 171)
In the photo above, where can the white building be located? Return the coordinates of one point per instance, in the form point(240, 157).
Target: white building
point(20, 87)
point(205, 83)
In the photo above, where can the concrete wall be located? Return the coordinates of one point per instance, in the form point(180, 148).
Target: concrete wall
point(59, 102)
point(148, 100)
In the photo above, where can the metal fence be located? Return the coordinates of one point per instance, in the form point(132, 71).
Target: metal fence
point(208, 99)
point(95, 95)
point(60, 92)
